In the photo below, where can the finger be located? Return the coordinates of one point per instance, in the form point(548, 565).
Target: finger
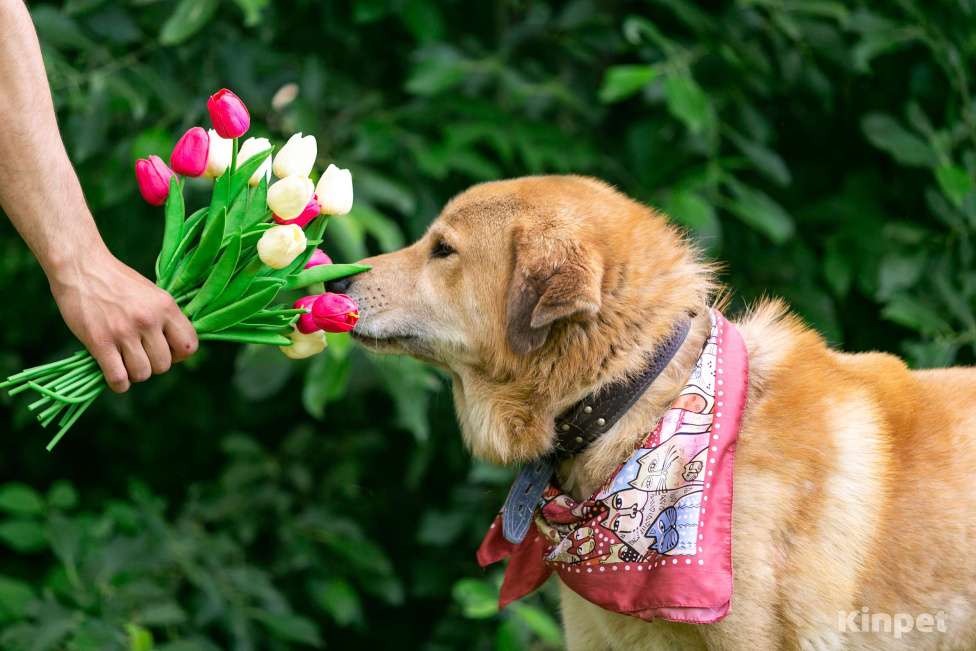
point(136, 360)
point(110, 361)
point(157, 348)
point(181, 336)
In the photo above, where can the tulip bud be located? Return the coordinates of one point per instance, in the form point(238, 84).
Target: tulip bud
point(153, 177)
point(189, 156)
point(280, 245)
point(311, 212)
point(335, 191)
point(319, 257)
point(335, 312)
point(297, 157)
point(218, 155)
point(288, 197)
point(250, 148)
point(304, 345)
point(228, 114)
point(306, 323)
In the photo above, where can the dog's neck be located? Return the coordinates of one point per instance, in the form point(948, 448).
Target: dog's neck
point(580, 475)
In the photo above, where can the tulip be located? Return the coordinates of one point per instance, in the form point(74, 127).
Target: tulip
point(319, 257)
point(335, 191)
point(228, 114)
point(189, 156)
point(335, 312)
point(218, 156)
point(250, 148)
point(304, 345)
point(311, 212)
point(296, 157)
point(288, 197)
point(306, 323)
point(153, 177)
point(280, 245)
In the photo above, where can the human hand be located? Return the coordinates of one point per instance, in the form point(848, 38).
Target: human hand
point(131, 327)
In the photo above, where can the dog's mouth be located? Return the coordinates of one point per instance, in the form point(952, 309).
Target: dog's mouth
point(384, 343)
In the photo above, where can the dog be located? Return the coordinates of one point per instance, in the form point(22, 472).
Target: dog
point(853, 474)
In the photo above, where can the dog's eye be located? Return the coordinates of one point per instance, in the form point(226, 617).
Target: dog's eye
point(442, 250)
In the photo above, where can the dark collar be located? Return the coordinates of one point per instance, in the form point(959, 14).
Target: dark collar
point(577, 428)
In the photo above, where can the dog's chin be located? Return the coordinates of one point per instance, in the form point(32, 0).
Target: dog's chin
point(393, 344)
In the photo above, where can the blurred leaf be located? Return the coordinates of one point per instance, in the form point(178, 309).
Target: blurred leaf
point(764, 159)
point(436, 69)
point(23, 535)
point(478, 599)
point(620, 82)
point(689, 103)
point(252, 10)
point(911, 313)
point(187, 19)
point(261, 371)
point(955, 182)
point(759, 211)
point(57, 29)
point(338, 598)
point(19, 499)
point(140, 639)
point(540, 622)
point(884, 132)
point(15, 597)
point(291, 628)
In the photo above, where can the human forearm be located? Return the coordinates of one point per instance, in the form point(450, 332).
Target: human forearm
point(40, 191)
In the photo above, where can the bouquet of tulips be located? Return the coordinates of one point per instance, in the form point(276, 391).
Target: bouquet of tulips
point(226, 263)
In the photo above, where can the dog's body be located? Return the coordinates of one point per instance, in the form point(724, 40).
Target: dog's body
point(853, 498)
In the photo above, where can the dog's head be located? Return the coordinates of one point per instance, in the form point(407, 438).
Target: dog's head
point(531, 292)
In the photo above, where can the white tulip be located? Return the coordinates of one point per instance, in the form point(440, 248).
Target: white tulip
point(249, 148)
point(335, 191)
point(218, 155)
point(303, 345)
point(288, 197)
point(296, 157)
point(280, 245)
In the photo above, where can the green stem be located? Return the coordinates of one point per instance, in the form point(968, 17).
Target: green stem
point(233, 169)
point(46, 369)
point(71, 420)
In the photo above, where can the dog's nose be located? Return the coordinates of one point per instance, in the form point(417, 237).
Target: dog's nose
point(340, 286)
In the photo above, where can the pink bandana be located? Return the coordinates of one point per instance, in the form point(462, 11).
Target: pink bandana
point(656, 540)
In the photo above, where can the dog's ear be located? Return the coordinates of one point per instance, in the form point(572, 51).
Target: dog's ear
point(552, 279)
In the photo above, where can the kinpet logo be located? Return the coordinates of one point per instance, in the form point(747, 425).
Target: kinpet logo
point(897, 624)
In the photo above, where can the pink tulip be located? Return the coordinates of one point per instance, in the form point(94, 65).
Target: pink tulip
point(306, 322)
point(318, 258)
point(228, 113)
point(189, 156)
point(335, 312)
point(153, 177)
point(310, 212)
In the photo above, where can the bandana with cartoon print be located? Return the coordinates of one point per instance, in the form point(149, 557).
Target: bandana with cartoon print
point(656, 540)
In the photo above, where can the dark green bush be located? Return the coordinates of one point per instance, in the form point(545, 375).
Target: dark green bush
point(825, 151)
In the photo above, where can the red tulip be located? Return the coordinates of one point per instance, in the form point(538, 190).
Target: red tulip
point(319, 257)
point(189, 156)
point(306, 323)
point(228, 113)
point(335, 312)
point(310, 212)
point(153, 177)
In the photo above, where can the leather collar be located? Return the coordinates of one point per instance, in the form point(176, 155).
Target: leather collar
point(577, 428)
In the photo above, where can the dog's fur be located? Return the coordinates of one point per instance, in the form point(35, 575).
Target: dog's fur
point(853, 480)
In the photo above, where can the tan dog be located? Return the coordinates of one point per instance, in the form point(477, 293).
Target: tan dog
point(854, 498)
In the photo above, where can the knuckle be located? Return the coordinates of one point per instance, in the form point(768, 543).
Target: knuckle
point(140, 375)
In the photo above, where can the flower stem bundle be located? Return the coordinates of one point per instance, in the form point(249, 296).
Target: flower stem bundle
point(226, 263)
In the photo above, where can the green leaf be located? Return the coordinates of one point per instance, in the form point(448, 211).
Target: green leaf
point(436, 70)
point(252, 10)
point(23, 535)
point(327, 376)
point(15, 597)
point(912, 313)
point(478, 599)
point(620, 82)
point(164, 613)
point(140, 639)
point(203, 256)
point(885, 133)
point(175, 213)
point(260, 372)
point(62, 495)
point(323, 273)
point(758, 210)
point(20, 499)
point(234, 313)
point(58, 30)
point(290, 628)
point(187, 19)
point(539, 622)
point(689, 103)
point(763, 159)
point(219, 276)
point(338, 598)
point(955, 182)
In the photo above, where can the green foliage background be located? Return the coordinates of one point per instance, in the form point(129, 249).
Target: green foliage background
point(825, 151)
